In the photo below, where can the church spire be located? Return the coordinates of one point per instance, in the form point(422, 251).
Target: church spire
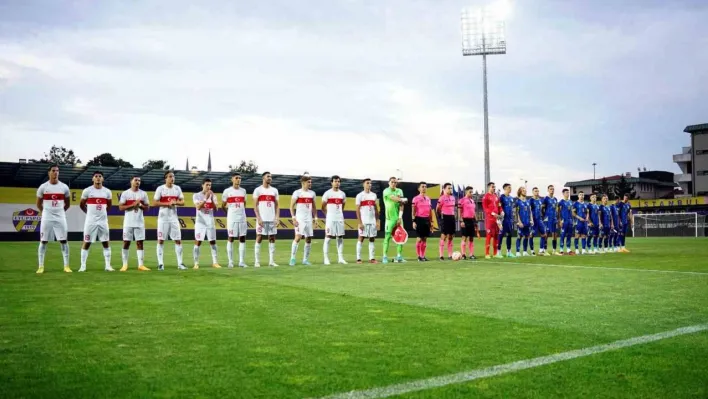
point(209, 162)
point(187, 167)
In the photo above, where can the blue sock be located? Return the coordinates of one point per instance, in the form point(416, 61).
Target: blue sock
point(594, 242)
point(499, 241)
point(526, 243)
point(576, 243)
point(531, 243)
point(544, 242)
point(562, 237)
point(567, 241)
point(518, 243)
point(584, 242)
point(508, 242)
point(622, 238)
point(555, 244)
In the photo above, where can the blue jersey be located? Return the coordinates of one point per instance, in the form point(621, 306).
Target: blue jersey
point(594, 213)
point(624, 211)
point(566, 210)
point(524, 210)
point(615, 214)
point(550, 208)
point(507, 203)
point(605, 215)
point(536, 209)
point(580, 210)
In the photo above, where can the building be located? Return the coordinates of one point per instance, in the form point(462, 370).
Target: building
point(649, 184)
point(693, 162)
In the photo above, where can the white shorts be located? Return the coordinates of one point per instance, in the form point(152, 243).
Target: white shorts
point(334, 228)
point(202, 231)
point(268, 229)
point(304, 228)
point(96, 232)
point(134, 233)
point(369, 231)
point(237, 229)
point(168, 229)
point(51, 229)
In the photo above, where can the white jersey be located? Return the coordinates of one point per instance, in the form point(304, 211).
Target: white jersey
point(53, 200)
point(133, 216)
point(165, 194)
point(96, 204)
point(235, 200)
point(266, 199)
point(304, 202)
point(205, 216)
point(367, 207)
point(335, 204)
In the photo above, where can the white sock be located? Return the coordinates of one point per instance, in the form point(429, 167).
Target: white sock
point(178, 252)
point(358, 250)
point(241, 252)
point(271, 251)
point(124, 255)
point(214, 254)
point(141, 257)
point(325, 248)
point(65, 253)
point(195, 254)
point(230, 252)
point(84, 256)
point(41, 252)
point(293, 249)
point(160, 252)
point(372, 250)
point(107, 256)
point(257, 251)
point(308, 247)
point(340, 247)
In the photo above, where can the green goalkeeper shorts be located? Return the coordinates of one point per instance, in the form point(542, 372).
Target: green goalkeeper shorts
point(390, 226)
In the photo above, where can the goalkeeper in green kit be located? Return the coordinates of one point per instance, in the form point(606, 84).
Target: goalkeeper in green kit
point(393, 201)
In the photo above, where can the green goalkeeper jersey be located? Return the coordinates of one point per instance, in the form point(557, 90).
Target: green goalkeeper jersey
point(392, 207)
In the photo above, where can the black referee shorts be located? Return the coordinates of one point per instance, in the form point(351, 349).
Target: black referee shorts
point(448, 225)
point(470, 228)
point(422, 227)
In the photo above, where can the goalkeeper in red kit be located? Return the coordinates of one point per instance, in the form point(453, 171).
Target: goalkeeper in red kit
point(492, 209)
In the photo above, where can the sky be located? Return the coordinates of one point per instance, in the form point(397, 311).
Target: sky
point(359, 88)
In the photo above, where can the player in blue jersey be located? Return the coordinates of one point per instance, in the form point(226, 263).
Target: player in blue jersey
point(626, 221)
point(524, 223)
point(539, 228)
point(614, 234)
point(606, 225)
point(580, 213)
point(565, 221)
point(550, 220)
point(507, 228)
point(593, 225)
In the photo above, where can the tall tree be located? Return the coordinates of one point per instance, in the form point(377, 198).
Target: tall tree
point(107, 159)
point(624, 187)
point(604, 189)
point(244, 167)
point(60, 156)
point(156, 164)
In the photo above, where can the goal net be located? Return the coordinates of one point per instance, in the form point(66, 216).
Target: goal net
point(669, 225)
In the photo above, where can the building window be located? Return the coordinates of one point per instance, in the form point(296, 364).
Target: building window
point(701, 152)
point(702, 173)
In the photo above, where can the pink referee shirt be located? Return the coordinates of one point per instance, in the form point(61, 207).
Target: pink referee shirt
point(422, 206)
point(468, 207)
point(448, 204)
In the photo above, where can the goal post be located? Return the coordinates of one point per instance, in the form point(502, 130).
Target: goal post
point(689, 224)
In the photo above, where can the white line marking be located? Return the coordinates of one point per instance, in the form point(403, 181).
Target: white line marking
point(466, 376)
point(595, 267)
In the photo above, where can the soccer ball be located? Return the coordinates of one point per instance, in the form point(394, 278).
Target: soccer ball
point(456, 256)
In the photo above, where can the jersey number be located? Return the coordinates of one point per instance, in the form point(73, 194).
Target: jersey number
point(99, 207)
point(55, 203)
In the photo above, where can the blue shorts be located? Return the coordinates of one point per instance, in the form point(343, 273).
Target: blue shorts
point(523, 231)
point(581, 228)
point(606, 231)
point(507, 227)
point(624, 228)
point(594, 230)
point(551, 226)
point(539, 228)
point(566, 227)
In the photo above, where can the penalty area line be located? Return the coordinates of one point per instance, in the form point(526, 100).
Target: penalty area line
point(467, 376)
point(595, 267)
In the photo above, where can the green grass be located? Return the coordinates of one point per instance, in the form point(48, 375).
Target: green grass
point(312, 331)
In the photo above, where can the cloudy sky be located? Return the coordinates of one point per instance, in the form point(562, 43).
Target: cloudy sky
point(355, 87)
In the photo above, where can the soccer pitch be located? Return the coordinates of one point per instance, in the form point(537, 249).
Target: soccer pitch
point(309, 332)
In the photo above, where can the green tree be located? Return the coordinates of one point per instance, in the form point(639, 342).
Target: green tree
point(156, 164)
point(624, 187)
point(107, 159)
point(60, 156)
point(245, 167)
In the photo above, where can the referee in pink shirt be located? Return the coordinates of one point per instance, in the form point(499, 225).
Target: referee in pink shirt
point(422, 220)
point(446, 207)
point(467, 210)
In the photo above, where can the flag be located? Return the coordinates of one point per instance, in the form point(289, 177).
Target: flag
point(400, 235)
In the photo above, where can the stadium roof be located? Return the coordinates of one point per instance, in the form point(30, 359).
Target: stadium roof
point(615, 179)
point(700, 128)
point(34, 174)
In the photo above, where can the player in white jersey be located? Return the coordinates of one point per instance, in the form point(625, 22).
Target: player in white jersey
point(333, 201)
point(53, 200)
point(95, 202)
point(233, 201)
point(168, 197)
point(267, 217)
point(204, 227)
point(133, 202)
point(367, 215)
point(303, 211)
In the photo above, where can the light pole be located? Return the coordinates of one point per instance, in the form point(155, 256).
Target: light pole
point(483, 34)
point(593, 170)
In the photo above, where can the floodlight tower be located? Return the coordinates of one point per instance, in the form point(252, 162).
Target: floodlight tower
point(483, 34)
